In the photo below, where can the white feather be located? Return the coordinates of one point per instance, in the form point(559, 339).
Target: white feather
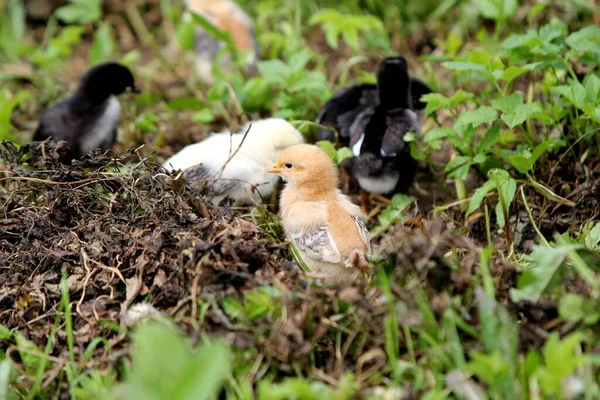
point(264, 142)
point(103, 127)
point(380, 184)
point(357, 145)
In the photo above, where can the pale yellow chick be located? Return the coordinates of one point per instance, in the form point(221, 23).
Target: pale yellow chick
point(327, 229)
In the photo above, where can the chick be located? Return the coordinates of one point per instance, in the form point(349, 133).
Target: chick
point(326, 228)
point(88, 119)
point(383, 164)
point(227, 16)
point(235, 165)
point(349, 110)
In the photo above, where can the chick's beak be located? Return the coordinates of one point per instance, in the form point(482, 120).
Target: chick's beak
point(274, 169)
point(134, 89)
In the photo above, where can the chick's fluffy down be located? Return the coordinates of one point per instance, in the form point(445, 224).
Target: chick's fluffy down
point(229, 165)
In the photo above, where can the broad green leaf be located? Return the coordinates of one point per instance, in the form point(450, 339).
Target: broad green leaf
point(458, 167)
point(574, 92)
point(434, 101)
point(508, 104)
point(460, 96)
point(498, 10)
point(512, 72)
point(480, 57)
point(481, 115)
point(165, 367)
point(435, 136)
point(328, 148)
point(103, 45)
point(343, 153)
point(591, 83)
point(586, 39)
point(570, 307)
point(80, 12)
point(554, 30)
point(537, 278)
point(515, 119)
point(561, 360)
point(274, 71)
point(529, 39)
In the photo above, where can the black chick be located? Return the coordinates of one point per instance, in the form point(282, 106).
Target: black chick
point(88, 119)
point(349, 109)
point(384, 165)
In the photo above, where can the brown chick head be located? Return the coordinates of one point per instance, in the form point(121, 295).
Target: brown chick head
point(306, 164)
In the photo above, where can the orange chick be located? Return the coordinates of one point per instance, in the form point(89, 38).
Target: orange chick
point(227, 16)
point(327, 229)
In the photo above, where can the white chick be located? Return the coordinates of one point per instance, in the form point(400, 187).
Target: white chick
point(228, 16)
point(326, 228)
point(222, 166)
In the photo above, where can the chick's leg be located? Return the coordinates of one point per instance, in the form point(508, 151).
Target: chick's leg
point(381, 199)
point(364, 201)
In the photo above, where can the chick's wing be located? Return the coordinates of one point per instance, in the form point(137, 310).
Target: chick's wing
point(362, 229)
point(316, 242)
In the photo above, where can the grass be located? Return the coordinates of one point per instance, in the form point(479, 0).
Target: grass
point(492, 292)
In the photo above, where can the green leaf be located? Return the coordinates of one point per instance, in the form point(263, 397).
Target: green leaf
point(508, 104)
point(460, 96)
point(570, 307)
point(343, 153)
point(561, 360)
point(546, 263)
point(508, 190)
point(458, 167)
point(479, 195)
point(586, 39)
point(490, 138)
point(512, 72)
point(80, 12)
point(515, 119)
point(592, 238)
point(165, 367)
point(7, 370)
point(393, 213)
point(275, 71)
point(216, 33)
point(529, 39)
point(185, 34)
point(574, 92)
point(464, 66)
point(328, 148)
point(434, 101)
point(481, 115)
point(334, 23)
point(205, 116)
point(498, 10)
point(186, 103)
point(103, 45)
point(435, 136)
point(480, 57)
point(591, 83)
point(554, 30)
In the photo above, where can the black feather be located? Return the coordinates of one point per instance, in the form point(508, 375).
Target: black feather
point(75, 118)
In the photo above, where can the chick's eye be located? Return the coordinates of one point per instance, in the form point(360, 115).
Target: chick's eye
point(288, 165)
